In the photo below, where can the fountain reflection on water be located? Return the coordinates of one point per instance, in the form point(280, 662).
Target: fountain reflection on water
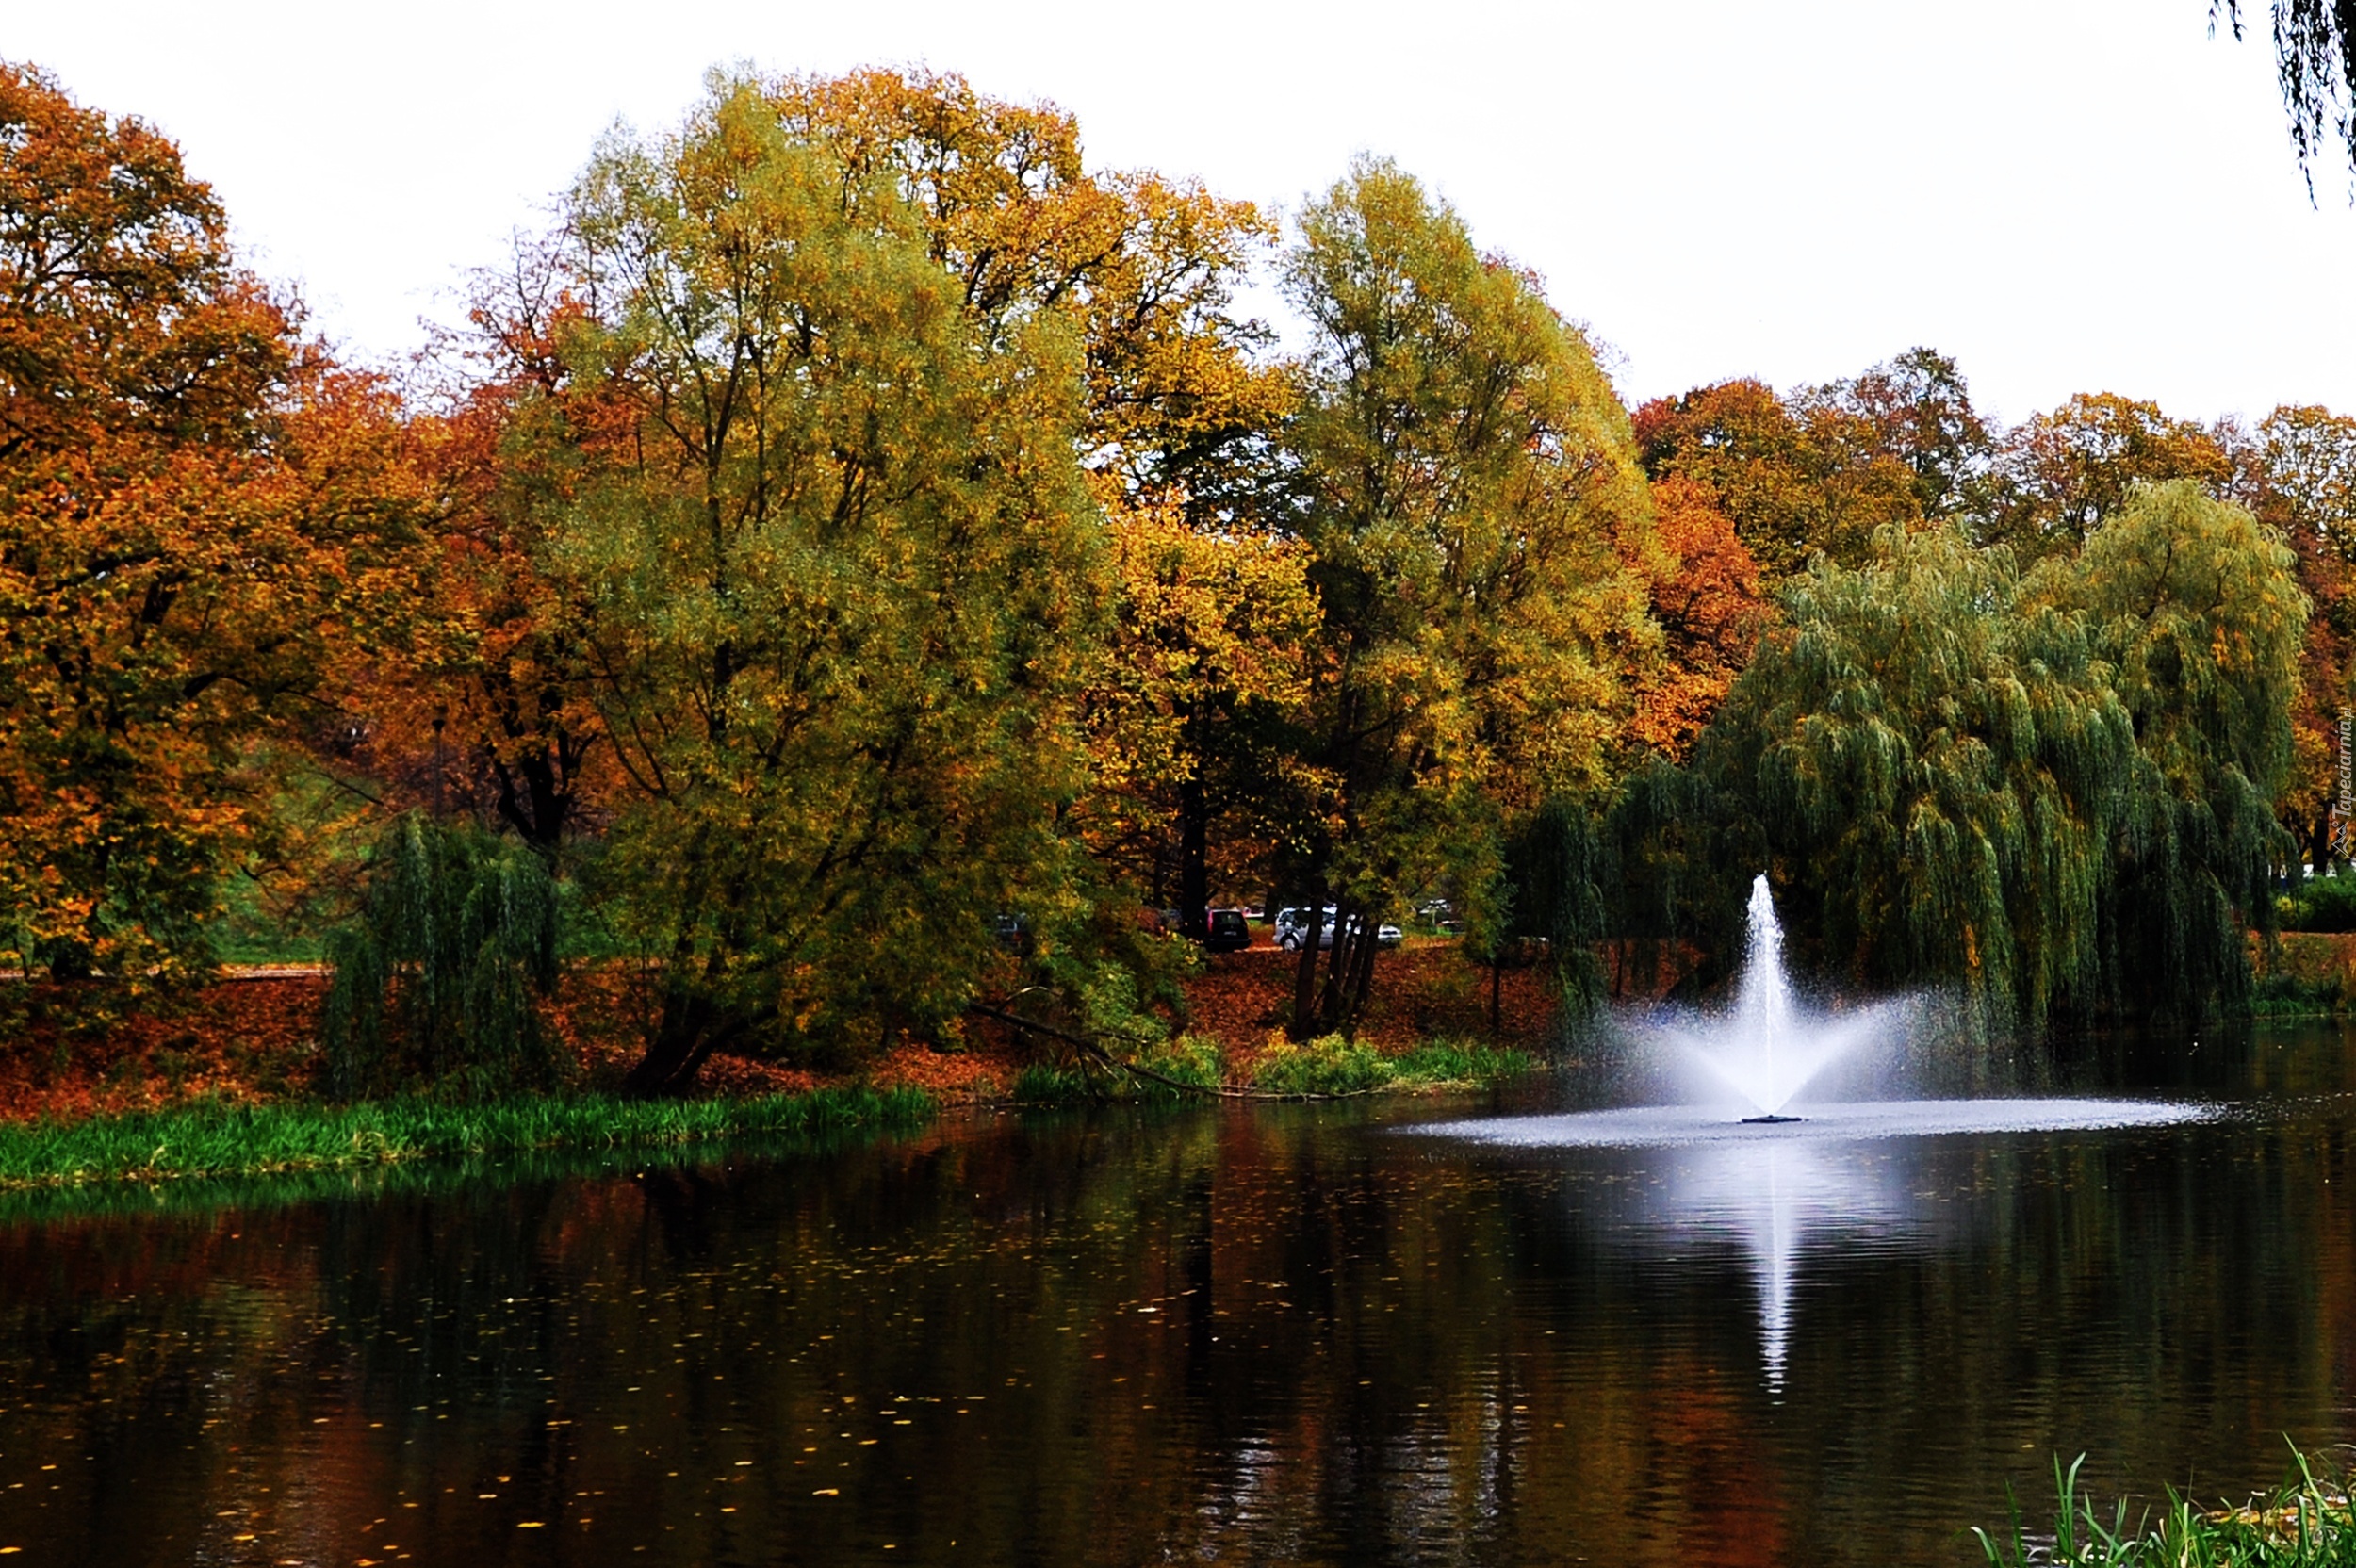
point(1769, 1167)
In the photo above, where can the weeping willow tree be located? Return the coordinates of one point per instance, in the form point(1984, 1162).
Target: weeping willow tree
point(1545, 892)
point(441, 977)
point(1935, 773)
point(2051, 791)
point(2198, 614)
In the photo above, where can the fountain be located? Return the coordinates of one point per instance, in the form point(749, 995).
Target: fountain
point(1758, 1058)
point(1768, 1051)
point(1749, 1153)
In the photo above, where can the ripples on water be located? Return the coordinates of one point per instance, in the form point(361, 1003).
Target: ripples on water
point(1267, 1334)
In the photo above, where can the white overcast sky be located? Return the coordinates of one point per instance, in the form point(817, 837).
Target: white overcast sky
point(2067, 195)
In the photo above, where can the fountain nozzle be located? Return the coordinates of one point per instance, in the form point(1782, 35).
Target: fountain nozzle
point(1770, 1120)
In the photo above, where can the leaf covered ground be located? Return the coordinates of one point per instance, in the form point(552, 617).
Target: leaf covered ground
point(253, 1039)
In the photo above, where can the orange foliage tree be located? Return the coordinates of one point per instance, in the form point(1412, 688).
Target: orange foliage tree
point(1705, 592)
point(1205, 667)
point(2299, 475)
point(195, 506)
point(2068, 471)
point(1796, 479)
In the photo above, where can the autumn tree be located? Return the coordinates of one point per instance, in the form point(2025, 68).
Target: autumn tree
point(1917, 408)
point(1469, 494)
point(1177, 409)
point(1145, 268)
point(490, 712)
point(1195, 691)
point(200, 519)
point(2297, 472)
point(1704, 589)
point(2067, 472)
point(1181, 402)
point(845, 586)
point(1811, 476)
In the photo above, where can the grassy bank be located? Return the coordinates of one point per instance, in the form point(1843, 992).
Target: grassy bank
point(2308, 1523)
point(215, 1140)
point(2304, 974)
point(226, 1141)
point(1195, 1066)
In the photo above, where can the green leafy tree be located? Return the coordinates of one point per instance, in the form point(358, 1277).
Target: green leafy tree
point(845, 583)
point(1176, 419)
point(2052, 790)
point(2200, 616)
point(1932, 778)
point(440, 977)
point(1470, 497)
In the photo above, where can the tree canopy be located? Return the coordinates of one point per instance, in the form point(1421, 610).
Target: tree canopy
point(842, 580)
point(199, 516)
point(2052, 789)
point(1470, 492)
point(869, 560)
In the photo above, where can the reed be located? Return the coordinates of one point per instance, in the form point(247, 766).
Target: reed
point(2307, 1523)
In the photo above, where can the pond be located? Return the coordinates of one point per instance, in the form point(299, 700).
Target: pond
point(1250, 1334)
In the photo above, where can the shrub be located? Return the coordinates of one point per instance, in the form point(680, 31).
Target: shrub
point(2321, 903)
point(440, 977)
point(1328, 1065)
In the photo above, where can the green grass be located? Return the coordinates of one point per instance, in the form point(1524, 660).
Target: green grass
point(2306, 1524)
point(2296, 996)
point(1319, 1069)
point(212, 1141)
point(1444, 1062)
point(1336, 1066)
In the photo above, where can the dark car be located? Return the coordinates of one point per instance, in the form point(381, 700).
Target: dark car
point(1229, 933)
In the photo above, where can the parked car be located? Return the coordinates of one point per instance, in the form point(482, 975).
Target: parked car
point(1292, 929)
point(1228, 932)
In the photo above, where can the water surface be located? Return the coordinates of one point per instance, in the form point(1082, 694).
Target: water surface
point(1255, 1335)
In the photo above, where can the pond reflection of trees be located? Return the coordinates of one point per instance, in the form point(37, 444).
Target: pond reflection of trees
point(1269, 1335)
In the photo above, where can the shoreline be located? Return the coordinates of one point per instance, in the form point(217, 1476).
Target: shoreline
point(205, 1139)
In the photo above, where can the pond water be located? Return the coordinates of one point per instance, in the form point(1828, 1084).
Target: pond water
point(1254, 1334)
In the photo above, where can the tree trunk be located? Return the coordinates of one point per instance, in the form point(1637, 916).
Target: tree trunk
point(1305, 973)
point(684, 1037)
point(1362, 980)
point(1194, 874)
point(682, 1041)
point(1497, 996)
point(1337, 968)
